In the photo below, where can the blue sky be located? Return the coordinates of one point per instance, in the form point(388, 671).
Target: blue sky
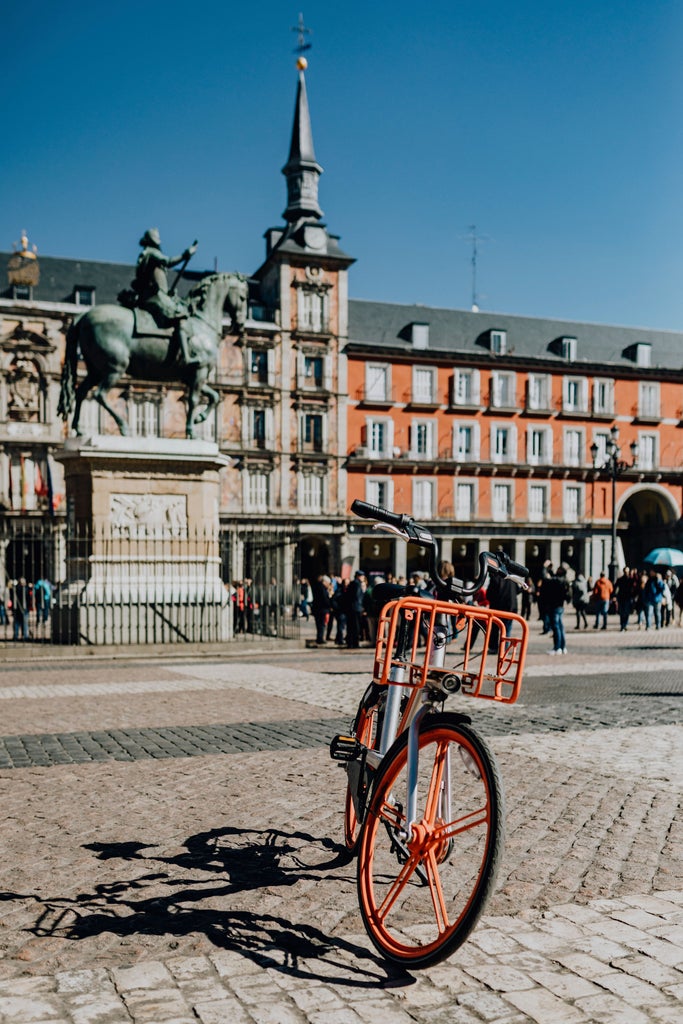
point(555, 128)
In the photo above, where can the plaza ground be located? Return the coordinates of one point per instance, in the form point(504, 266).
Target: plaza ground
point(172, 832)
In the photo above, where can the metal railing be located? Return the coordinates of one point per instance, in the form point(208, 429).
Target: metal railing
point(74, 584)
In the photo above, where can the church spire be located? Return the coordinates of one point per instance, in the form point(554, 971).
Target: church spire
point(302, 171)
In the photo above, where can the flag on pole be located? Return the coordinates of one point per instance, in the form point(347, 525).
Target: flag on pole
point(39, 485)
point(50, 491)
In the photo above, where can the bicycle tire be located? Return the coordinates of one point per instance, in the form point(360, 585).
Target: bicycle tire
point(421, 897)
point(365, 733)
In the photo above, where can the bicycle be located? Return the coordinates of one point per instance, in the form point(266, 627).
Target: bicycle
point(424, 801)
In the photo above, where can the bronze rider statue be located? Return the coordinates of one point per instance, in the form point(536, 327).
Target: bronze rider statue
point(151, 292)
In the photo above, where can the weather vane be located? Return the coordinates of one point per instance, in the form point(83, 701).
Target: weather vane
point(301, 45)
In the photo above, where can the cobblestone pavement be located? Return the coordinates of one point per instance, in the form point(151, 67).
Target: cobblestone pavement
point(172, 827)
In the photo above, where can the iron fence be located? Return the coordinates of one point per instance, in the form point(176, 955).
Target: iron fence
point(72, 584)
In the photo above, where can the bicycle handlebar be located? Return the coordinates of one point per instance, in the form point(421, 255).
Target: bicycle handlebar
point(405, 526)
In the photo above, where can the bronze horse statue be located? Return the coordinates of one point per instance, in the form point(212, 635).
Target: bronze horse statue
point(107, 339)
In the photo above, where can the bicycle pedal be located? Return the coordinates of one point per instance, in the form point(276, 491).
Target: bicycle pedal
point(345, 748)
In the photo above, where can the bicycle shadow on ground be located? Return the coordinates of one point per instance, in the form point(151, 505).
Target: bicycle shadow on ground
point(190, 899)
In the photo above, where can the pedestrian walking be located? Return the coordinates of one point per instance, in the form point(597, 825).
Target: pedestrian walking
point(623, 592)
point(602, 593)
point(322, 606)
point(580, 600)
point(557, 594)
point(20, 608)
point(653, 596)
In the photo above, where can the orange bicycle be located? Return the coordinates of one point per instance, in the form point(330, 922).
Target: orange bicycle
point(424, 802)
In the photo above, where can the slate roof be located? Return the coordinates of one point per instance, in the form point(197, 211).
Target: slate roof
point(461, 332)
point(59, 277)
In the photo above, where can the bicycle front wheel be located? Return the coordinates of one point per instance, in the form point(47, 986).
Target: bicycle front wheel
point(422, 893)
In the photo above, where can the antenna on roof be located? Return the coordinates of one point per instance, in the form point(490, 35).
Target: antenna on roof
point(475, 239)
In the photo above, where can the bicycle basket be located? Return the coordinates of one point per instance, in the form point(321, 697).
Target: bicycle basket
point(485, 648)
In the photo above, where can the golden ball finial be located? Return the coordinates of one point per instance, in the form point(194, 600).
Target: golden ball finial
point(302, 63)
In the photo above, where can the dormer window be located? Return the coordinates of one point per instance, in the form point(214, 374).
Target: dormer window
point(499, 342)
point(643, 353)
point(568, 348)
point(23, 292)
point(419, 335)
point(84, 295)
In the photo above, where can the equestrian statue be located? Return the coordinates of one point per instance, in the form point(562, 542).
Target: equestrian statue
point(153, 335)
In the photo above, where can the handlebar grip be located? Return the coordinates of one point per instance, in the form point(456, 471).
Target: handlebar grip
point(515, 568)
point(367, 511)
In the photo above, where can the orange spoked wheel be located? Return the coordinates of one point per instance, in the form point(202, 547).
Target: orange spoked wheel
point(422, 893)
point(366, 734)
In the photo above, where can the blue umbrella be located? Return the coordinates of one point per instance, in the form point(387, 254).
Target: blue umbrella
point(665, 556)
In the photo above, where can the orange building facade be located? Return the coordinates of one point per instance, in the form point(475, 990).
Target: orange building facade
point(496, 431)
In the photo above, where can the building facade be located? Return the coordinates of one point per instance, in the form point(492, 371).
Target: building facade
point(495, 430)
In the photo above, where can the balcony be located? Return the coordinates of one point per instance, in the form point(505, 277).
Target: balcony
point(375, 397)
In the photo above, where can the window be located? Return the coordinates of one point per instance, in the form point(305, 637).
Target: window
point(84, 296)
point(643, 353)
point(499, 342)
point(22, 291)
point(503, 444)
point(569, 348)
point(539, 446)
point(465, 442)
point(501, 502)
point(648, 400)
point(603, 397)
point(538, 391)
point(503, 390)
point(143, 417)
point(313, 371)
point(377, 383)
point(538, 503)
point(419, 335)
point(575, 394)
point(380, 492)
point(89, 421)
point(466, 387)
point(423, 499)
point(259, 366)
point(257, 491)
point(572, 503)
point(422, 438)
point(379, 438)
point(206, 430)
point(312, 310)
point(464, 501)
point(311, 494)
point(647, 451)
point(573, 447)
point(424, 385)
point(312, 432)
point(258, 428)
point(601, 438)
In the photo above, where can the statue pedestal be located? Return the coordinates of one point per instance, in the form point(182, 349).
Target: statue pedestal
point(142, 546)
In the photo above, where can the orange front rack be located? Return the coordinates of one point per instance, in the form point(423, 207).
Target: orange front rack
point(485, 649)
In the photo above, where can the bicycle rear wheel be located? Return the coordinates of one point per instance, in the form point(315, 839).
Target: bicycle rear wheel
point(366, 731)
point(421, 895)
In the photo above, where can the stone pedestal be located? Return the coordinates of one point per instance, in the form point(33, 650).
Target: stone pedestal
point(143, 552)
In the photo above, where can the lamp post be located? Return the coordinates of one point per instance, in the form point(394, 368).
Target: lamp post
point(614, 467)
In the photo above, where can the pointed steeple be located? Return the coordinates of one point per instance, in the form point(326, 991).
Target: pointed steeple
point(302, 170)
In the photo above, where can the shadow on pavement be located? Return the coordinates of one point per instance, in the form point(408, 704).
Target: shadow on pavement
point(245, 860)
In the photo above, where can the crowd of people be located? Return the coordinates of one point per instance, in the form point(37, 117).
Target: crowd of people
point(346, 614)
point(19, 599)
point(644, 598)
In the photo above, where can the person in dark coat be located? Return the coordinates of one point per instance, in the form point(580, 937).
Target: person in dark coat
point(20, 608)
point(502, 596)
point(322, 606)
point(557, 593)
point(354, 610)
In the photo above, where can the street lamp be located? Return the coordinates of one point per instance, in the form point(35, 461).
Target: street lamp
point(614, 467)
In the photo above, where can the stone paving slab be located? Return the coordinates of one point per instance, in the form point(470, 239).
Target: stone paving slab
point(210, 888)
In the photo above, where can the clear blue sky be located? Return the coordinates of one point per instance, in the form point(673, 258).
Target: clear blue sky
point(555, 128)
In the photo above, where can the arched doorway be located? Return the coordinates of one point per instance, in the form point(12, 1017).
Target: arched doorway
point(647, 519)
